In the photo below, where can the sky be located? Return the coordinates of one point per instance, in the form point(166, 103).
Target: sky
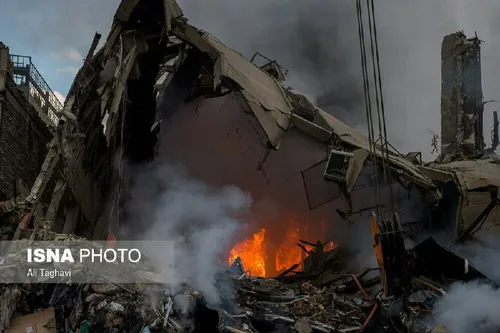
point(55, 33)
point(316, 40)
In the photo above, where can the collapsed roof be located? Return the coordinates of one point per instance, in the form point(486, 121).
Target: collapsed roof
point(276, 108)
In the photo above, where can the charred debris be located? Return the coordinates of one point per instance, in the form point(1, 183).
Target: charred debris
point(110, 114)
point(397, 296)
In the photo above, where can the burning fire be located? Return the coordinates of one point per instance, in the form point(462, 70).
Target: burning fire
point(288, 253)
point(252, 251)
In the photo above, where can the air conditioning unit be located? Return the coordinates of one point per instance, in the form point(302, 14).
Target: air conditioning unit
point(338, 165)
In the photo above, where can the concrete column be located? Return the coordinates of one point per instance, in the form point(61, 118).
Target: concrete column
point(4, 65)
point(461, 98)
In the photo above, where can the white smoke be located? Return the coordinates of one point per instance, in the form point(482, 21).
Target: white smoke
point(469, 307)
point(167, 204)
point(472, 307)
point(485, 256)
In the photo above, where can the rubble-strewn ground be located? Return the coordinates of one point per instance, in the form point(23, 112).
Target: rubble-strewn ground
point(326, 298)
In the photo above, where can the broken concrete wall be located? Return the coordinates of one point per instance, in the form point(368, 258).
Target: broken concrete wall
point(114, 88)
point(23, 135)
point(461, 98)
point(477, 182)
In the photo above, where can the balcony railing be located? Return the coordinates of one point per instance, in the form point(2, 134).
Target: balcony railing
point(31, 82)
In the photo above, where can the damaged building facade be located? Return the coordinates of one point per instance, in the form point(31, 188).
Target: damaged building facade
point(24, 135)
point(25, 131)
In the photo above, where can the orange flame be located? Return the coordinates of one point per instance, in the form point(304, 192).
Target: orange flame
point(288, 253)
point(252, 253)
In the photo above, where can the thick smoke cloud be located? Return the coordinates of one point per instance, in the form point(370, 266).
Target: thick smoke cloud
point(310, 39)
point(165, 203)
point(318, 42)
point(471, 307)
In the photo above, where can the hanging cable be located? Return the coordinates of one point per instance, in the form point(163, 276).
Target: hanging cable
point(382, 106)
point(369, 118)
point(383, 148)
point(377, 93)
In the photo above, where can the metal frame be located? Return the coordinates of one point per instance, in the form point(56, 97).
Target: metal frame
point(26, 75)
point(337, 152)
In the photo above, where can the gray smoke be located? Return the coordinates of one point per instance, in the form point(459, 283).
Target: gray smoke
point(485, 256)
point(318, 42)
point(469, 307)
point(314, 40)
point(167, 204)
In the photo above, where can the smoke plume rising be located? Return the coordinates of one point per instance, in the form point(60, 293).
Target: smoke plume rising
point(166, 203)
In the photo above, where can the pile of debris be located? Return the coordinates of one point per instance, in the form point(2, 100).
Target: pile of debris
point(78, 308)
point(344, 306)
point(259, 305)
point(394, 297)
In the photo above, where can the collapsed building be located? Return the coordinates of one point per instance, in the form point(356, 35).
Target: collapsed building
point(153, 57)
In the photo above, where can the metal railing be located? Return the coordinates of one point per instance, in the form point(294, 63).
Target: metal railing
point(27, 76)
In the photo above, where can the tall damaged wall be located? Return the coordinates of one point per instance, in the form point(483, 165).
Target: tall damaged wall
point(23, 135)
point(461, 98)
point(92, 155)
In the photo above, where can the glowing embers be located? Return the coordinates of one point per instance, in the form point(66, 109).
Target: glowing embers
point(252, 253)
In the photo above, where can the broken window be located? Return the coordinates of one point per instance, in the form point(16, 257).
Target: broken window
point(337, 166)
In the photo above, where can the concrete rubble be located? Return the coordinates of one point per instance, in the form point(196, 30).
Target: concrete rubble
point(328, 297)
